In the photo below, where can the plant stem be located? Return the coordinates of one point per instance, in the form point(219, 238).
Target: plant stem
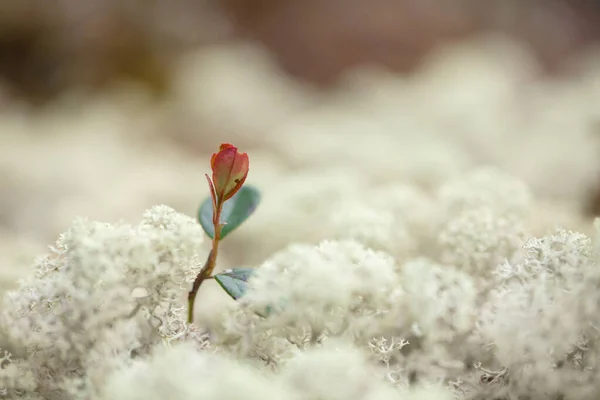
point(209, 266)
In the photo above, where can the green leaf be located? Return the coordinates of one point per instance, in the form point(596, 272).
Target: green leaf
point(234, 281)
point(235, 211)
point(205, 215)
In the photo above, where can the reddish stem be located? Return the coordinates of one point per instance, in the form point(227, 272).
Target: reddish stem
point(211, 262)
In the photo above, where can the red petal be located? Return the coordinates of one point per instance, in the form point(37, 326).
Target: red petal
point(238, 175)
point(230, 169)
point(221, 148)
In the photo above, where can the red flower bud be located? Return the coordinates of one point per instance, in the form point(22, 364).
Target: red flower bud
point(230, 170)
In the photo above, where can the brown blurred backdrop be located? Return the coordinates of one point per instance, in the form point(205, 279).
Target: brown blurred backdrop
point(46, 48)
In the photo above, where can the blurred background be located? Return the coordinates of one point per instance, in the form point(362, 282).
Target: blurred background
point(108, 107)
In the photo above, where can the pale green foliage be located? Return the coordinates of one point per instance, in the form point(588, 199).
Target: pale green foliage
point(79, 315)
point(461, 301)
point(335, 372)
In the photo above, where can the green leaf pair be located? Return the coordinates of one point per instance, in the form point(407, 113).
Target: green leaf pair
point(235, 211)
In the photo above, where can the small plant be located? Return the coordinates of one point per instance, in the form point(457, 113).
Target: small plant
point(229, 205)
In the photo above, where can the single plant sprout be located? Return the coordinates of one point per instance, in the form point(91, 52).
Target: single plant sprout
point(229, 205)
